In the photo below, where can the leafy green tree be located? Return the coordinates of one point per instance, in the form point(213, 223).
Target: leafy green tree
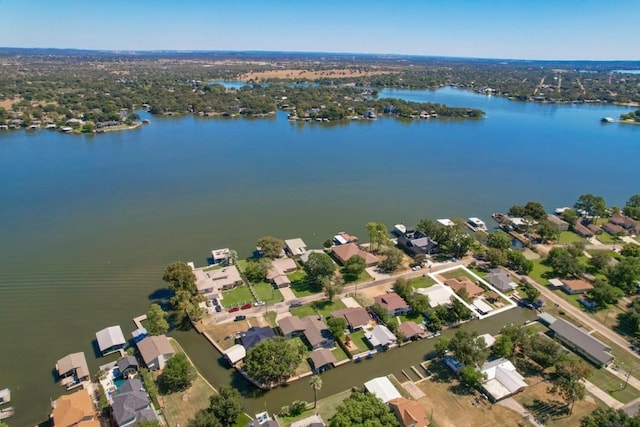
point(570, 215)
point(273, 360)
point(605, 416)
point(632, 208)
point(378, 235)
point(516, 211)
point(379, 311)
point(568, 380)
point(594, 206)
point(517, 261)
point(497, 257)
point(503, 347)
point(547, 231)
point(316, 384)
point(226, 406)
point(625, 275)
point(354, 267)
point(337, 326)
point(436, 322)
point(530, 292)
point(600, 260)
point(256, 270)
point(204, 418)
point(535, 210)
point(457, 311)
point(178, 374)
point(403, 288)
point(576, 249)
point(472, 376)
point(180, 276)
point(499, 240)
point(630, 250)
point(456, 243)
point(468, 348)
point(563, 263)
point(319, 266)
point(542, 350)
point(419, 303)
point(332, 286)
point(157, 320)
point(271, 246)
point(442, 346)
point(363, 410)
point(392, 260)
point(604, 294)
point(518, 334)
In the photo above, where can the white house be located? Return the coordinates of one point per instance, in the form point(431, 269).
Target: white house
point(503, 380)
point(382, 388)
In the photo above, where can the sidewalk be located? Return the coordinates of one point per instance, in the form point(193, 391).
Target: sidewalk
point(597, 392)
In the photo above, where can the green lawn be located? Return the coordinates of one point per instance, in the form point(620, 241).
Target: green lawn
point(458, 273)
point(300, 286)
point(237, 296)
point(212, 267)
point(623, 358)
point(266, 292)
point(324, 308)
point(422, 282)
point(606, 238)
point(613, 386)
point(540, 272)
point(339, 353)
point(359, 340)
point(326, 407)
point(569, 236)
point(362, 277)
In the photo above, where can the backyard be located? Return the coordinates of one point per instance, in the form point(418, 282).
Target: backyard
point(323, 308)
point(237, 296)
point(300, 285)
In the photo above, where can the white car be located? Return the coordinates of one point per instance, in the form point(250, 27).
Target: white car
point(259, 303)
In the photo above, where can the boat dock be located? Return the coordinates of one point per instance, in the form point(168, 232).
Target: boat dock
point(6, 412)
point(5, 396)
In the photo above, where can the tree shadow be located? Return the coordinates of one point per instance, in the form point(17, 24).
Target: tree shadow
point(546, 410)
point(180, 321)
point(461, 389)
point(161, 294)
point(441, 373)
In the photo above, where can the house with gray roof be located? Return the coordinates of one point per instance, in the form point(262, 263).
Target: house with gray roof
point(256, 334)
point(73, 365)
point(127, 366)
point(131, 404)
point(110, 340)
point(500, 280)
point(311, 327)
point(380, 337)
point(581, 342)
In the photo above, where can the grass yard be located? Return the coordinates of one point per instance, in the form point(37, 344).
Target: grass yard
point(237, 296)
point(326, 407)
point(623, 358)
point(569, 237)
point(358, 339)
point(607, 239)
point(613, 386)
point(422, 282)
point(324, 308)
point(339, 353)
point(362, 277)
point(300, 286)
point(540, 272)
point(459, 273)
point(213, 267)
point(266, 292)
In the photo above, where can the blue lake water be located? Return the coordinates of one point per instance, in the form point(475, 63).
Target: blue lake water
point(89, 222)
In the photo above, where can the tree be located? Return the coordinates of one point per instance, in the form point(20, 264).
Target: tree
point(319, 266)
point(273, 360)
point(632, 208)
point(256, 270)
point(516, 211)
point(157, 320)
point(547, 231)
point(594, 206)
point(630, 250)
point(378, 235)
point(471, 376)
point(542, 350)
point(226, 406)
point(605, 416)
point(363, 409)
point(497, 257)
point(518, 334)
point(380, 312)
point(442, 346)
point(419, 303)
point(604, 294)
point(625, 275)
point(392, 259)
point(517, 261)
point(354, 267)
point(499, 240)
point(568, 382)
point(456, 242)
point(178, 374)
point(503, 347)
point(403, 288)
point(435, 323)
point(576, 249)
point(332, 286)
point(535, 210)
point(468, 348)
point(563, 264)
point(204, 418)
point(570, 215)
point(531, 293)
point(337, 325)
point(316, 384)
point(271, 246)
point(457, 311)
point(180, 276)
point(600, 260)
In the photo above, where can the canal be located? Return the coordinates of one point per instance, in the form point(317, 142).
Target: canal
point(212, 366)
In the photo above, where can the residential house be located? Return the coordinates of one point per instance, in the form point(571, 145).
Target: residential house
point(356, 317)
point(613, 229)
point(321, 359)
point(473, 290)
point(343, 238)
point(382, 388)
point(218, 279)
point(110, 340)
point(581, 342)
point(410, 330)
point(582, 230)
point(393, 303)
point(625, 222)
point(438, 294)
point(593, 228)
point(74, 410)
point(155, 351)
point(235, 353)
point(489, 340)
point(256, 334)
point(414, 242)
point(305, 256)
point(561, 224)
point(410, 413)
point(500, 280)
point(279, 269)
point(381, 338)
point(577, 286)
point(347, 250)
point(502, 379)
point(73, 369)
point(128, 366)
point(131, 404)
point(481, 306)
point(220, 256)
point(312, 327)
point(295, 247)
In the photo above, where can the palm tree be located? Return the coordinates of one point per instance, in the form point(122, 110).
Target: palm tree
point(316, 384)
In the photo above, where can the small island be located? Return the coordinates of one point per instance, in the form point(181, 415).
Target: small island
point(632, 117)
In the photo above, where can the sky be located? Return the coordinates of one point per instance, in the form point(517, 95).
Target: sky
point(514, 29)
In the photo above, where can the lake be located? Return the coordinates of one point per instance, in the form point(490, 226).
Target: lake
point(88, 223)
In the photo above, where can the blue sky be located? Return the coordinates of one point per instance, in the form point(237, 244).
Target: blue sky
point(539, 29)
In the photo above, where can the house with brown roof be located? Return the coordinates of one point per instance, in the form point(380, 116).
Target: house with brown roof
point(577, 286)
point(410, 330)
point(409, 413)
point(312, 327)
point(613, 229)
point(561, 224)
point(582, 230)
point(625, 222)
point(343, 238)
point(321, 359)
point(393, 303)
point(473, 290)
point(356, 317)
point(278, 271)
point(75, 409)
point(73, 369)
point(155, 351)
point(346, 251)
point(218, 279)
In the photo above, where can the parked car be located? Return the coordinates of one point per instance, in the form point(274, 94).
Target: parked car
point(240, 317)
point(232, 309)
point(259, 303)
point(218, 308)
point(246, 306)
point(295, 303)
point(209, 303)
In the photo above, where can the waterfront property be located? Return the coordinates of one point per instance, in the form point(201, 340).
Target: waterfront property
point(343, 238)
point(312, 327)
point(345, 251)
point(414, 242)
point(256, 334)
point(381, 338)
point(382, 388)
point(212, 282)
point(278, 271)
point(128, 366)
point(110, 340)
point(73, 370)
point(155, 351)
point(321, 359)
point(438, 294)
point(409, 413)
point(410, 330)
point(220, 256)
point(356, 317)
point(131, 404)
point(473, 290)
point(295, 247)
point(393, 303)
point(561, 224)
point(581, 342)
point(235, 353)
point(75, 409)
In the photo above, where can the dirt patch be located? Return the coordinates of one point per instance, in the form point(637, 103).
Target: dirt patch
point(7, 103)
point(225, 333)
point(308, 74)
point(374, 290)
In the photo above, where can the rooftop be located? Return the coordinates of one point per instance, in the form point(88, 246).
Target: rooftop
point(110, 337)
point(73, 361)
